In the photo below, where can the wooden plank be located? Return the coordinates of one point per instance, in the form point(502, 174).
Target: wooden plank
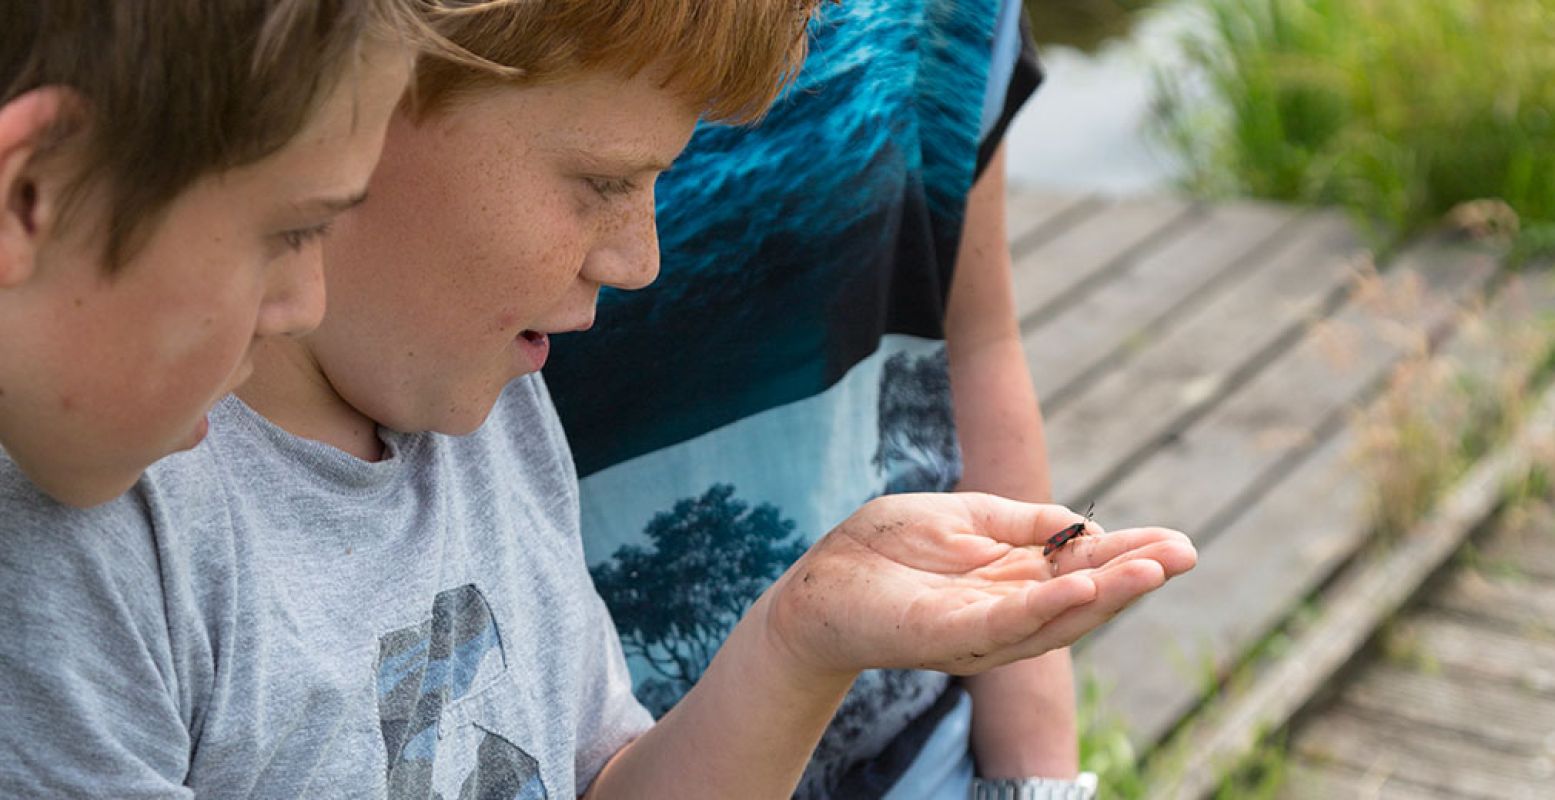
point(1495, 346)
point(1390, 747)
point(1370, 591)
point(1032, 215)
point(1062, 266)
point(1531, 555)
point(1196, 627)
point(1506, 720)
point(1518, 606)
point(1178, 373)
point(1526, 548)
point(1085, 337)
point(1309, 779)
point(1267, 559)
point(1207, 471)
point(1475, 654)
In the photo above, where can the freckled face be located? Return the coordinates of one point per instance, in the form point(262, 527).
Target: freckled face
point(492, 224)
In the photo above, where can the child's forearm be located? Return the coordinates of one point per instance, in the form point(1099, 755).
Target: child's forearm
point(745, 730)
point(1023, 714)
point(1023, 719)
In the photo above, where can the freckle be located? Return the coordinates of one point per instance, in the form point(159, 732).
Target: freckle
point(410, 354)
point(80, 302)
point(67, 402)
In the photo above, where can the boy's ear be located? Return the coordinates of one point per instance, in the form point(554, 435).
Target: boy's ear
point(30, 200)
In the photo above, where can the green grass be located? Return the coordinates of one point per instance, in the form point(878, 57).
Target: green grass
point(1397, 109)
point(1105, 748)
point(1438, 416)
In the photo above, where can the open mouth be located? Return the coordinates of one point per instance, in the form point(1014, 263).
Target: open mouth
point(536, 347)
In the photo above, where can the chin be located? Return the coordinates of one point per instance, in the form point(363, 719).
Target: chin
point(463, 421)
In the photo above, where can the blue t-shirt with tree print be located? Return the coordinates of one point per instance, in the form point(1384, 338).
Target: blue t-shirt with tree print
point(789, 363)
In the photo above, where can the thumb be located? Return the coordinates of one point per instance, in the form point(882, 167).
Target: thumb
point(1016, 523)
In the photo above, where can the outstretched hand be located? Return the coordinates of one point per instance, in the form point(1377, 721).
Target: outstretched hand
point(958, 583)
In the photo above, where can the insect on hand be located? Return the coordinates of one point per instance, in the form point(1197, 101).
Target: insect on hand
point(1058, 540)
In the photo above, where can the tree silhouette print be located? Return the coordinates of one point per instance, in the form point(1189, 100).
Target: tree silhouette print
point(918, 451)
point(676, 601)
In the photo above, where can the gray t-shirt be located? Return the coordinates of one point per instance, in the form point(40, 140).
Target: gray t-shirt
point(266, 616)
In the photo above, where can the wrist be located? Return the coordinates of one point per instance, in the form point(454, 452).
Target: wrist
point(772, 637)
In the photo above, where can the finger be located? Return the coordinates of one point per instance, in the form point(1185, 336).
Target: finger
point(1173, 551)
point(1175, 557)
point(1116, 588)
point(1017, 616)
point(1089, 552)
point(1016, 523)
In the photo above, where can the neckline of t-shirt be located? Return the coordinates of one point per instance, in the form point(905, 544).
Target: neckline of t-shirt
point(336, 468)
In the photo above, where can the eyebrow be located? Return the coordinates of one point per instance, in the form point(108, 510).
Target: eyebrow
point(627, 162)
point(333, 205)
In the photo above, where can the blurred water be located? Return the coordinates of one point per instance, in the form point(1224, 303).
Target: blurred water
point(1086, 128)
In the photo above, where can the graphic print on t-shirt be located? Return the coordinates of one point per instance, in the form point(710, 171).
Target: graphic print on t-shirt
point(423, 669)
point(681, 582)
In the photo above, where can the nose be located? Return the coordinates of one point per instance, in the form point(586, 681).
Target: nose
point(294, 296)
point(628, 256)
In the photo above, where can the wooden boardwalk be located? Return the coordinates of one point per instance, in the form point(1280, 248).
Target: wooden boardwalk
point(1199, 367)
point(1460, 700)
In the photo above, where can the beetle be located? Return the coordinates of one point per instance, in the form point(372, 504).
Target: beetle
point(1058, 540)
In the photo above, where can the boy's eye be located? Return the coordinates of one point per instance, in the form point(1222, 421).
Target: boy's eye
point(296, 240)
point(611, 187)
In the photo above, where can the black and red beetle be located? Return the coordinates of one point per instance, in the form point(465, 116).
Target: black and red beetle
point(1058, 540)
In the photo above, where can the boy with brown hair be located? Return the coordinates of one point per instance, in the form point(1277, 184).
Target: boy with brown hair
point(369, 580)
point(167, 170)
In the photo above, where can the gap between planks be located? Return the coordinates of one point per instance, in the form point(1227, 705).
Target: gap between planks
point(1176, 378)
point(1098, 333)
point(1082, 256)
point(1035, 216)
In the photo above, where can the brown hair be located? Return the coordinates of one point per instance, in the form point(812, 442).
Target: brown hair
point(176, 89)
point(730, 57)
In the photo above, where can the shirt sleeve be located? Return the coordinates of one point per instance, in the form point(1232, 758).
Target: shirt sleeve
point(86, 683)
point(610, 716)
point(1013, 77)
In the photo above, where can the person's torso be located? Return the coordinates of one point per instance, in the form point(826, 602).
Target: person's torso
point(789, 363)
point(414, 628)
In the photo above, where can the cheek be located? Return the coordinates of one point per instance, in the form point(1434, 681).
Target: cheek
point(200, 352)
point(197, 326)
point(157, 360)
point(540, 264)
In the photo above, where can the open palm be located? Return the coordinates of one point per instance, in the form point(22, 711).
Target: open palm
point(958, 583)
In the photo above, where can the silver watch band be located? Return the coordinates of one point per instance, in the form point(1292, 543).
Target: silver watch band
point(1082, 788)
